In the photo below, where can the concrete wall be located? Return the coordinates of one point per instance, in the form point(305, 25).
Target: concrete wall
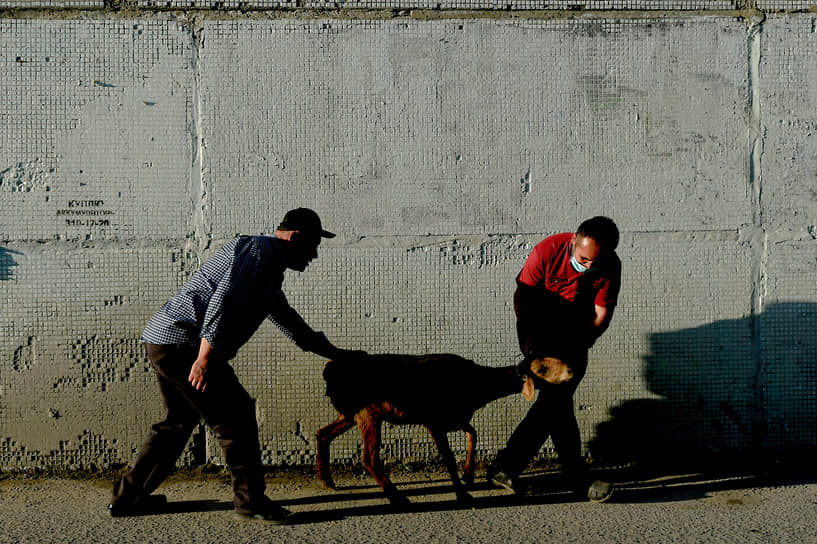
point(440, 146)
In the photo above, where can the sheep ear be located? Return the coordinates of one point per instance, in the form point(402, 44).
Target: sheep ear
point(551, 370)
point(539, 368)
point(528, 390)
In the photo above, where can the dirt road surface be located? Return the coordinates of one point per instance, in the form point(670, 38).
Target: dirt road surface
point(687, 508)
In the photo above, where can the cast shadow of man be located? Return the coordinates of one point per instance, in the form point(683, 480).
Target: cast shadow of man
point(7, 263)
point(743, 389)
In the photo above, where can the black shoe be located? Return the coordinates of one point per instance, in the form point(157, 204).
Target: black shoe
point(147, 504)
point(600, 491)
point(270, 513)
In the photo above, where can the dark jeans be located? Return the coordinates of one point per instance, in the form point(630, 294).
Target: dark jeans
point(552, 415)
point(226, 408)
point(547, 325)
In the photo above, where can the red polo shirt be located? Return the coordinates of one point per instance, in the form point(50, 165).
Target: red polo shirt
point(548, 266)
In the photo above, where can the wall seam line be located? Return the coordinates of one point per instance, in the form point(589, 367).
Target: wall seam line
point(200, 235)
point(759, 238)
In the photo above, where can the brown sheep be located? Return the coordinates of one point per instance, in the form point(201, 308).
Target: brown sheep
point(440, 392)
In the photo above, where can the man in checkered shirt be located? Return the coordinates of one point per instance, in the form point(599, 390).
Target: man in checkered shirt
point(190, 341)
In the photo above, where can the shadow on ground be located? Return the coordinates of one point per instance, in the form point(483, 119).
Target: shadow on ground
point(436, 495)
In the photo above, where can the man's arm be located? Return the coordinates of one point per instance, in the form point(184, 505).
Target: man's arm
point(544, 320)
point(525, 309)
point(293, 326)
point(600, 323)
point(236, 290)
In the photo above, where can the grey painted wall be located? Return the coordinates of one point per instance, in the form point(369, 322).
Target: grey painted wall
point(440, 150)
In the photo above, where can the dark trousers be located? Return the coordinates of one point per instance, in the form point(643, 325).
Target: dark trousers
point(548, 325)
point(552, 415)
point(226, 408)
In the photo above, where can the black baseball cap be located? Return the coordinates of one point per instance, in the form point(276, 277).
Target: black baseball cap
point(304, 220)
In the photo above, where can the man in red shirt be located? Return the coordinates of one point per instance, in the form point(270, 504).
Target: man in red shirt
point(565, 297)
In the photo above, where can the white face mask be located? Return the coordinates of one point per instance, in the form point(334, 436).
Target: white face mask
point(577, 266)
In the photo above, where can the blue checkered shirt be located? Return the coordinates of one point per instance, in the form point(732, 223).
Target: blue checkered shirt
point(229, 297)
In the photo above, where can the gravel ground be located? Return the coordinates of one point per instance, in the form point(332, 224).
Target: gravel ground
point(681, 508)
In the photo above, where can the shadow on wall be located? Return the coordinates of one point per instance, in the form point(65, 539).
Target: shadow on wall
point(7, 263)
point(721, 389)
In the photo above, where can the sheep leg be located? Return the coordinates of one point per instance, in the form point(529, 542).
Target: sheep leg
point(468, 470)
point(369, 424)
point(324, 438)
point(441, 439)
